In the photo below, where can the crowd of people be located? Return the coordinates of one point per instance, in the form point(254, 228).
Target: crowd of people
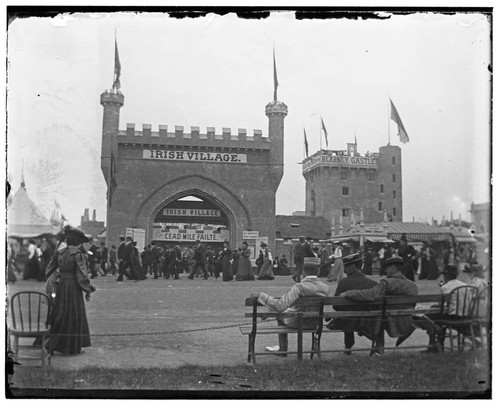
point(68, 264)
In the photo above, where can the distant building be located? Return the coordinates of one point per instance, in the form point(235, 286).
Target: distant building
point(339, 184)
point(481, 217)
point(91, 227)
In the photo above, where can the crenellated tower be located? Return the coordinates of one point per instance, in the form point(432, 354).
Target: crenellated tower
point(112, 100)
point(276, 112)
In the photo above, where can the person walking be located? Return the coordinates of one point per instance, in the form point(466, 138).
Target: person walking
point(200, 258)
point(147, 260)
point(298, 259)
point(122, 260)
point(266, 271)
point(325, 264)
point(112, 260)
point(69, 330)
point(104, 256)
point(94, 260)
point(245, 272)
point(337, 272)
point(32, 266)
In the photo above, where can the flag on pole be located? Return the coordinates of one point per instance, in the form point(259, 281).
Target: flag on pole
point(112, 178)
point(118, 68)
point(403, 135)
point(306, 145)
point(324, 131)
point(275, 78)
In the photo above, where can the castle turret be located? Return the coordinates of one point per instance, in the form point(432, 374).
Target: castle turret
point(276, 111)
point(112, 101)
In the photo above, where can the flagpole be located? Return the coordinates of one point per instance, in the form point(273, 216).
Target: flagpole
point(388, 123)
point(320, 137)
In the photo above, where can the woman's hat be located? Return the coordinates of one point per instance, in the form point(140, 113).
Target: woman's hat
point(263, 244)
point(77, 236)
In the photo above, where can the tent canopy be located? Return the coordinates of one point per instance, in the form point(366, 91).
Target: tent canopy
point(25, 220)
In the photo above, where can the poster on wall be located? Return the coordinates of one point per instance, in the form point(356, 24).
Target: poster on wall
point(138, 235)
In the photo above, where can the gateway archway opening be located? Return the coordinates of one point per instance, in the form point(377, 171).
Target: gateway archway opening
point(190, 218)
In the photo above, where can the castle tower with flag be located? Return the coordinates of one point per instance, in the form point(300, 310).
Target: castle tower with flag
point(178, 185)
point(344, 182)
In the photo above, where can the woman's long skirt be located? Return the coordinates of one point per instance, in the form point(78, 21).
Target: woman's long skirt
point(69, 330)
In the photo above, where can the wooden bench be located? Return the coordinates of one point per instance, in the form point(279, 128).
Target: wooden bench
point(410, 306)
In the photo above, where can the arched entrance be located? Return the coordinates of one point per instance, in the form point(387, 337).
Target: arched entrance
point(191, 216)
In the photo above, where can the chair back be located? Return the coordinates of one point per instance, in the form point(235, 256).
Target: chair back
point(462, 301)
point(29, 311)
point(482, 304)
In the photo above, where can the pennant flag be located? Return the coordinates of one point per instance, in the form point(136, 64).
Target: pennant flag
point(118, 68)
point(275, 78)
point(324, 131)
point(403, 135)
point(112, 178)
point(306, 145)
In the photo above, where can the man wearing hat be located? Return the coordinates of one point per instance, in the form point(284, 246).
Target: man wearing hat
point(337, 271)
point(200, 258)
point(311, 285)
point(354, 280)
point(451, 282)
point(122, 254)
point(396, 284)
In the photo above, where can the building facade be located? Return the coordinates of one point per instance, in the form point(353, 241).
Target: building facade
point(339, 184)
point(90, 226)
point(179, 186)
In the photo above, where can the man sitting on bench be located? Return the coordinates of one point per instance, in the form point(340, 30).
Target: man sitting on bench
point(354, 280)
point(311, 285)
point(395, 284)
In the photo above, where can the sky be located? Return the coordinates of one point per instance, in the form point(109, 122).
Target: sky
point(217, 71)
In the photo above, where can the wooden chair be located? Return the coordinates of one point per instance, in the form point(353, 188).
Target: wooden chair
point(482, 315)
point(463, 320)
point(29, 311)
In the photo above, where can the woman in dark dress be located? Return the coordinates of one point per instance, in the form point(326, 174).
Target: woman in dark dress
point(266, 271)
point(69, 330)
point(245, 271)
point(225, 260)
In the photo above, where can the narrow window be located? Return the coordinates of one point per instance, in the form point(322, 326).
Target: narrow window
point(379, 206)
point(394, 177)
point(345, 191)
point(381, 188)
point(345, 212)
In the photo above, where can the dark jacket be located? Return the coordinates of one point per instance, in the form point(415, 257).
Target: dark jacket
point(122, 251)
point(308, 251)
point(200, 255)
point(395, 285)
point(352, 282)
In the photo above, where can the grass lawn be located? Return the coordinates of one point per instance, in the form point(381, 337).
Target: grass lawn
point(180, 335)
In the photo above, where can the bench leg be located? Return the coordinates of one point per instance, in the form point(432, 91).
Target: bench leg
point(251, 349)
point(315, 347)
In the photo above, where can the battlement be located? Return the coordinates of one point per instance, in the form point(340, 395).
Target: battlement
point(179, 136)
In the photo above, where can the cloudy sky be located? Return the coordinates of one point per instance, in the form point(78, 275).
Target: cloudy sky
point(216, 71)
